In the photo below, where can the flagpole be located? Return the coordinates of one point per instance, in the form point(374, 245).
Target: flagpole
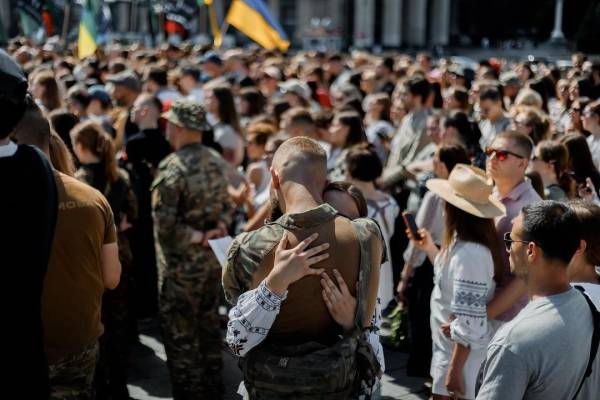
point(224, 28)
point(65, 27)
point(150, 25)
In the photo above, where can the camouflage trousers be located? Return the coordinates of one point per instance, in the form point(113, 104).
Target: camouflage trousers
point(192, 336)
point(71, 377)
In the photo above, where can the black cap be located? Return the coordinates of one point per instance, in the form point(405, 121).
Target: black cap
point(13, 91)
point(13, 83)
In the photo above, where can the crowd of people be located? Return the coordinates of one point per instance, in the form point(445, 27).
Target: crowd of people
point(123, 167)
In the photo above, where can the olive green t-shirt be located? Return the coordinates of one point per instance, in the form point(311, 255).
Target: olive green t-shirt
point(73, 286)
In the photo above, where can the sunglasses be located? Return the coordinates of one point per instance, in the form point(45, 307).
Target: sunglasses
point(500, 154)
point(508, 241)
point(536, 158)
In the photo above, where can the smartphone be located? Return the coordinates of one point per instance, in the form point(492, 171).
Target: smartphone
point(409, 221)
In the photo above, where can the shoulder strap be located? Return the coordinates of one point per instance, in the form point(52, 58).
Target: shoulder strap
point(364, 273)
point(595, 339)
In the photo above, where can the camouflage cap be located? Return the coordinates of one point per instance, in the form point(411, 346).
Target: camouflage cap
point(187, 114)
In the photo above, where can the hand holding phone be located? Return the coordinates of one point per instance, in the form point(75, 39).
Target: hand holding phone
point(411, 225)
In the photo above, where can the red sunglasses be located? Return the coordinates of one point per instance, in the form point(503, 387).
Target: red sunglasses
point(501, 154)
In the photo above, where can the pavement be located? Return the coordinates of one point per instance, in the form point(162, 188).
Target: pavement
point(149, 378)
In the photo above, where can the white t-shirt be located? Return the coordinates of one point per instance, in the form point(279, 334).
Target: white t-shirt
point(8, 150)
point(226, 136)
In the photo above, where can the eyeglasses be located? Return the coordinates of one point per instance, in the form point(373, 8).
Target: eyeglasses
point(500, 154)
point(508, 241)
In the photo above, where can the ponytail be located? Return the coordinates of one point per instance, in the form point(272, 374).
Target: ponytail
point(566, 183)
point(94, 139)
point(557, 154)
point(106, 152)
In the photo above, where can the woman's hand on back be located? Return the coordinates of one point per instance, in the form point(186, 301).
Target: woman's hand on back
point(338, 299)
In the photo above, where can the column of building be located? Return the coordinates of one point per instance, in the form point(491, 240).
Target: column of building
point(364, 23)
point(392, 23)
point(439, 34)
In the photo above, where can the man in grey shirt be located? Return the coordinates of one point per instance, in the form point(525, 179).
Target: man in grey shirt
point(543, 352)
point(411, 138)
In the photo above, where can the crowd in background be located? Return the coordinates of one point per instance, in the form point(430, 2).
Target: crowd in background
point(389, 124)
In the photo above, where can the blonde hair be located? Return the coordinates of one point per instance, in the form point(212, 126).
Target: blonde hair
point(60, 156)
point(529, 97)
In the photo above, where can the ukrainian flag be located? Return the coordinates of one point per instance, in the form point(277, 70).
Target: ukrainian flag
point(88, 34)
point(253, 18)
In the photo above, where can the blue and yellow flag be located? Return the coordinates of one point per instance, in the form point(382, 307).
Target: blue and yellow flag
point(88, 32)
point(252, 18)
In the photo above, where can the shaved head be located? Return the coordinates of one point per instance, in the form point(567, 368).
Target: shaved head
point(301, 160)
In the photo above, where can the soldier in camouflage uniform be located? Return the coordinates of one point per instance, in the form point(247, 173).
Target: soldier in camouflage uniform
point(303, 319)
point(190, 206)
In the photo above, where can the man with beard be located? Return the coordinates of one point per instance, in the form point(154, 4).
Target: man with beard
point(126, 87)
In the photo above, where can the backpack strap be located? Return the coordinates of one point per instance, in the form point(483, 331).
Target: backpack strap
point(364, 273)
point(595, 338)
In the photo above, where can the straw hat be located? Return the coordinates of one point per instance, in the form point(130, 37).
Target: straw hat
point(469, 189)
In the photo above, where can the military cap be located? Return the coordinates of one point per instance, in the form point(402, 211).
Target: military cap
point(188, 114)
point(126, 78)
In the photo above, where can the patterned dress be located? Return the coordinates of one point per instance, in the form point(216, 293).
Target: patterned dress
point(464, 284)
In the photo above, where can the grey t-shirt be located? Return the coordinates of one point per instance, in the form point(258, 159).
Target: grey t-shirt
point(489, 130)
point(542, 353)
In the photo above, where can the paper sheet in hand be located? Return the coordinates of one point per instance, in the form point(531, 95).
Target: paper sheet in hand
point(219, 247)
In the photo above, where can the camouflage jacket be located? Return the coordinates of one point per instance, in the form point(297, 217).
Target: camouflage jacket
point(188, 194)
point(248, 249)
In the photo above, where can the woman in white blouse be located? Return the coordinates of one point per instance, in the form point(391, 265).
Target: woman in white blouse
point(465, 267)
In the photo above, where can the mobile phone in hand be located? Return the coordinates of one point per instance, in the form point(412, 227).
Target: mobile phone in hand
point(409, 221)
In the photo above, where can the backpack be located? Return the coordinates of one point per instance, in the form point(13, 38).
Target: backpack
point(346, 369)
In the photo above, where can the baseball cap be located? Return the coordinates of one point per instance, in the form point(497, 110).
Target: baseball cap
point(510, 78)
point(295, 86)
point(188, 114)
point(126, 78)
point(212, 57)
point(99, 93)
point(272, 72)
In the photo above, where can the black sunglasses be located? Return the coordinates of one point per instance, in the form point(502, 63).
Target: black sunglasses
point(508, 241)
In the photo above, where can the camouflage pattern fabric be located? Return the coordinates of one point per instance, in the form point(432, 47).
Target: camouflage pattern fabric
point(190, 193)
point(310, 370)
point(188, 114)
point(71, 377)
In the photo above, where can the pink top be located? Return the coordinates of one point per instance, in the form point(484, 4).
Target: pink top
point(523, 194)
